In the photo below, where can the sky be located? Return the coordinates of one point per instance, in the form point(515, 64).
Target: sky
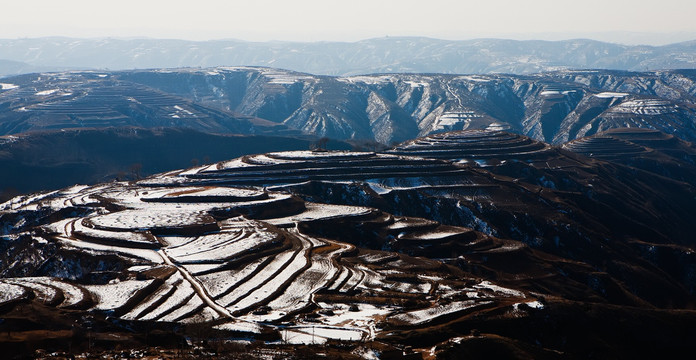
point(636, 21)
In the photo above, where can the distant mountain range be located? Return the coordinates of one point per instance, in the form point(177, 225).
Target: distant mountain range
point(8, 67)
point(382, 55)
point(554, 107)
point(89, 126)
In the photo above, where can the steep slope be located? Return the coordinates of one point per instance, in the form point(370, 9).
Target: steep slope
point(554, 107)
point(88, 99)
point(200, 251)
point(604, 214)
point(54, 159)
point(645, 149)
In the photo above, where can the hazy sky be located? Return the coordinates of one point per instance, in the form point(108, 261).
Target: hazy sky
point(315, 20)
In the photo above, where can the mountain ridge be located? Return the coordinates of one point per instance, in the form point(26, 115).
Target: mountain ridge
point(554, 107)
point(43, 160)
point(392, 55)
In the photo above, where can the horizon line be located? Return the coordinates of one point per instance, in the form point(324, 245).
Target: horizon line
point(579, 37)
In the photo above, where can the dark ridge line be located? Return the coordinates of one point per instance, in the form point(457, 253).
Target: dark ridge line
point(138, 297)
point(160, 300)
point(297, 245)
point(180, 304)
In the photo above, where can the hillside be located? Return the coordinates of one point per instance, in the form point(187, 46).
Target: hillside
point(553, 107)
point(8, 67)
point(55, 101)
point(45, 160)
point(471, 242)
point(649, 150)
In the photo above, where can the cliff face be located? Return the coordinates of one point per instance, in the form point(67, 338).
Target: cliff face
point(554, 107)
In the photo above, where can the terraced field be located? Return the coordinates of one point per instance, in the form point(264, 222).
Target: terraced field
point(416, 250)
point(244, 260)
point(479, 146)
point(649, 150)
point(627, 142)
point(302, 166)
point(45, 102)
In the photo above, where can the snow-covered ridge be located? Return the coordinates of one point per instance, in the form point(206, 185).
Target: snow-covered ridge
point(294, 167)
point(475, 146)
point(370, 80)
point(243, 257)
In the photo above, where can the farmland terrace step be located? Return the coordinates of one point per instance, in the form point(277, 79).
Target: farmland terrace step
point(473, 144)
point(160, 223)
point(447, 140)
point(375, 166)
point(206, 195)
point(604, 147)
point(261, 180)
point(483, 152)
point(330, 172)
point(523, 143)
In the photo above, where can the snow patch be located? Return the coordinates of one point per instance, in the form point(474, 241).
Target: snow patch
point(532, 304)
point(47, 92)
point(321, 212)
point(645, 107)
point(498, 289)
point(474, 78)
point(115, 294)
point(418, 317)
point(319, 334)
point(240, 326)
point(451, 118)
point(9, 292)
point(369, 80)
point(309, 155)
point(556, 92)
point(607, 95)
point(417, 84)
point(5, 86)
point(9, 139)
point(496, 126)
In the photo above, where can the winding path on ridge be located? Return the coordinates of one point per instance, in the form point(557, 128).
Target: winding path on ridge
point(460, 103)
